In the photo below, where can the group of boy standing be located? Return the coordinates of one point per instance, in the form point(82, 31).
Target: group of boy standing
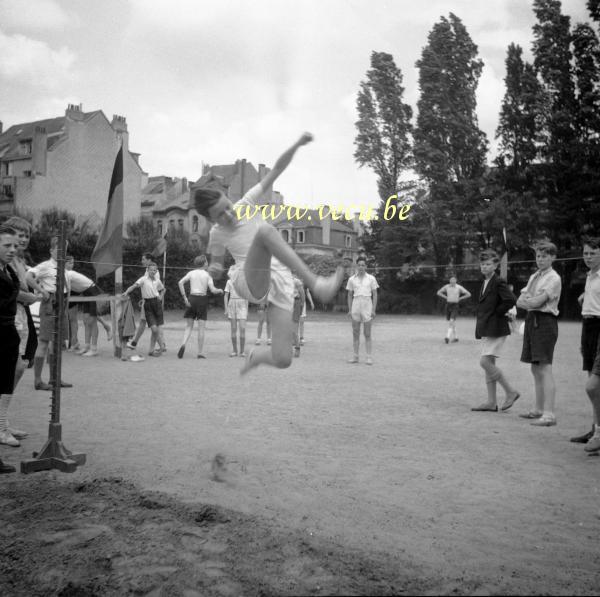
point(540, 297)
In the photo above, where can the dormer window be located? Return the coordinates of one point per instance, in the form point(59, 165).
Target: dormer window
point(25, 147)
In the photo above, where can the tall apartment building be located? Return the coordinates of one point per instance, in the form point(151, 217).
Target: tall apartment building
point(66, 163)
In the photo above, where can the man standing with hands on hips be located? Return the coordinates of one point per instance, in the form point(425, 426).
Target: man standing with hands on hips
point(362, 306)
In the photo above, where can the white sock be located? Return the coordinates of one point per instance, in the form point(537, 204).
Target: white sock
point(4, 402)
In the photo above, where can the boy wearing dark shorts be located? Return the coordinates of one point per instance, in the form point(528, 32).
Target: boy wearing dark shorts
point(197, 303)
point(452, 293)
point(152, 290)
point(9, 336)
point(590, 339)
point(540, 298)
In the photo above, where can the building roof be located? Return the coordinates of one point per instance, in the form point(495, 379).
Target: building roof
point(315, 221)
point(11, 139)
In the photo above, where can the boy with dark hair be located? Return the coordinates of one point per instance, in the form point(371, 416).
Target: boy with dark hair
point(590, 339)
point(540, 298)
point(362, 308)
point(147, 258)
point(197, 304)
point(10, 362)
point(492, 328)
point(263, 259)
point(452, 293)
point(42, 278)
point(152, 291)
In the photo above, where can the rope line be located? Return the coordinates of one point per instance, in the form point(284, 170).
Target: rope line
point(378, 268)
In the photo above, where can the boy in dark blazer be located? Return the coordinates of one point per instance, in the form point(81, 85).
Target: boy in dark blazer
point(492, 327)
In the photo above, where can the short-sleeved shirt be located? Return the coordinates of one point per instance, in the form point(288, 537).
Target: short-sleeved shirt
point(79, 283)
point(548, 282)
point(362, 285)
point(45, 274)
point(150, 288)
point(200, 281)
point(453, 293)
point(230, 288)
point(238, 240)
point(591, 295)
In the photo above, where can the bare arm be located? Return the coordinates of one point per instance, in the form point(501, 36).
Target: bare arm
point(33, 283)
point(350, 298)
point(374, 302)
point(284, 161)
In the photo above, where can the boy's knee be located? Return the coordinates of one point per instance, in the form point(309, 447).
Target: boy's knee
point(282, 361)
point(592, 386)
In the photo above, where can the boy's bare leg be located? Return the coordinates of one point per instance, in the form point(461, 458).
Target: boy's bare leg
point(201, 334)
point(189, 326)
point(545, 388)
point(242, 330)
point(279, 354)
point(268, 243)
point(368, 341)
point(233, 324)
point(141, 329)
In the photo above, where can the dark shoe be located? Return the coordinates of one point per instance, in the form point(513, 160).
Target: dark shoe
point(446, 340)
point(583, 439)
point(485, 408)
point(201, 356)
point(510, 401)
point(43, 386)
point(455, 340)
point(180, 352)
point(6, 468)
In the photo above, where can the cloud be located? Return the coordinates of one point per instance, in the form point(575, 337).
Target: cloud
point(34, 62)
point(28, 15)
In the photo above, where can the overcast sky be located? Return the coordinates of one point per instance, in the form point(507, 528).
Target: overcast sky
point(215, 81)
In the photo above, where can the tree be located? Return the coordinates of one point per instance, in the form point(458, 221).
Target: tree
point(449, 147)
point(383, 139)
point(383, 142)
point(522, 114)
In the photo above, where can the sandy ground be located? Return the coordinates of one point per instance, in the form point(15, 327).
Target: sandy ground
point(338, 478)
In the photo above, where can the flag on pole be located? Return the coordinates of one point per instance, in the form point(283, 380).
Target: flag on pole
point(504, 258)
point(108, 252)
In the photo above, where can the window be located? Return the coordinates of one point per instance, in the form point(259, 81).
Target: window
point(171, 223)
point(286, 235)
point(7, 190)
point(180, 224)
point(4, 169)
point(348, 241)
point(300, 236)
point(159, 227)
point(25, 147)
point(27, 173)
point(195, 224)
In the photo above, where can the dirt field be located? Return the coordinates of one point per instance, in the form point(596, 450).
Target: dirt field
point(338, 478)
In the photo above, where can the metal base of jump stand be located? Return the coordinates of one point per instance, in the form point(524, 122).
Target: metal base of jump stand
point(53, 455)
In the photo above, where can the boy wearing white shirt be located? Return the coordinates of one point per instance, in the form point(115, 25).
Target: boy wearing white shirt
point(452, 293)
point(42, 278)
point(263, 259)
point(362, 307)
point(152, 290)
point(197, 304)
point(540, 297)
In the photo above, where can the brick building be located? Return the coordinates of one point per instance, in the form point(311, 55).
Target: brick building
point(66, 163)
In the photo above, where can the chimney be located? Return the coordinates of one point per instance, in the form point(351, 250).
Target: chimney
point(119, 125)
point(39, 150)
point(74, 112)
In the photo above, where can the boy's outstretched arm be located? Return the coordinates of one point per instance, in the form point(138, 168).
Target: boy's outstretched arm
point(284, 161)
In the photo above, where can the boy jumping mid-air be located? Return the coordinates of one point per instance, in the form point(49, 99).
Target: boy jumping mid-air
point(263, 261)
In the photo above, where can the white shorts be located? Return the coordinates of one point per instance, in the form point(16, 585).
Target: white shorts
point(362, 309)
point(22, 327)
point(492, 347)
point(281, 291)
point(237, 309)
